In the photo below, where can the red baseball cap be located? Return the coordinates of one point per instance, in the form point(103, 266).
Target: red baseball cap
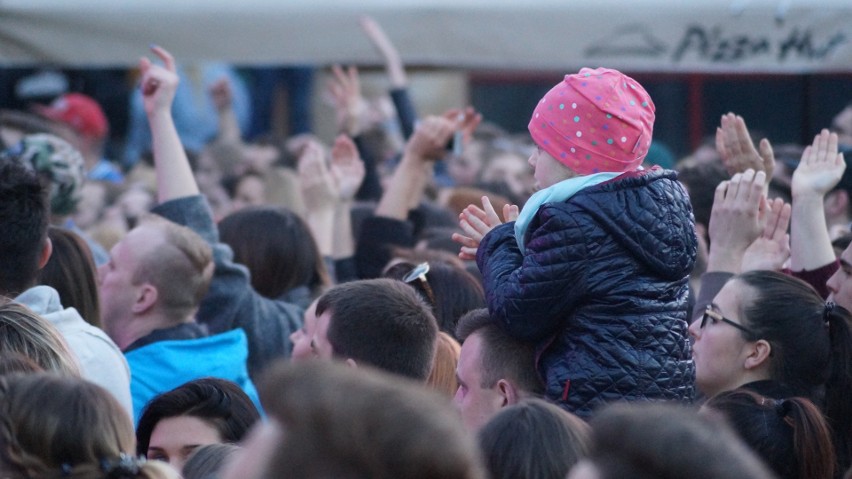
point(78, 111)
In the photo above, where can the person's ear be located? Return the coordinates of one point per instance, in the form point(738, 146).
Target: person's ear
point(46, 251)
point(759, 355)
point(145, 299)
point(507, 392)
point(351, 363)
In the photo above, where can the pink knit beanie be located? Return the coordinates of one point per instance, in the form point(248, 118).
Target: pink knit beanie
point(595, 121)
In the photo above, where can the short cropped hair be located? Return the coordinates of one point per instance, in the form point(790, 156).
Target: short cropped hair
point(24, 217)
point(181, 269)
point(382, 322)
point(502, 356)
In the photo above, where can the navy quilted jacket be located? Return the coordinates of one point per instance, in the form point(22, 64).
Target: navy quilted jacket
point(602, 290)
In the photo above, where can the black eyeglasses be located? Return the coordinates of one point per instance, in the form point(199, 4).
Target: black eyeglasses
point(419, 273)
point(709, 314)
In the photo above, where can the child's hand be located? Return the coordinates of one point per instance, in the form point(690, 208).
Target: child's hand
point(510, 212)
point(476, 222)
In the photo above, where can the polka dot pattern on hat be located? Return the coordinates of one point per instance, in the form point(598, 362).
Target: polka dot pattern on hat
point(607, 128)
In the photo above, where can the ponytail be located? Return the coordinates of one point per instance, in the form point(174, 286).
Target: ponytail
point(791, 435)
point(838, 406)
point(811, 437)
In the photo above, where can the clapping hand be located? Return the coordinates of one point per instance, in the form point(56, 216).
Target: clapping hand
point(476, 222)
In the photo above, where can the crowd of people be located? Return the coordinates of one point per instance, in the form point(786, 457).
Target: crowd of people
point(441, 299)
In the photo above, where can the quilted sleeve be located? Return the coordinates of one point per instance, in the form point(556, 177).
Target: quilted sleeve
point(533, 294)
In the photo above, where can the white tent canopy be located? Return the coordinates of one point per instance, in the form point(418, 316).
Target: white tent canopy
point(637, 35)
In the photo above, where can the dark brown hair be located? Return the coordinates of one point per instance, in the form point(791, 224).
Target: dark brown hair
point(24, 218)
point(71, 272)
point(381, 322)
point(790, 435)
point(455, 291)
point(52, 426)
point(648, 440)
point(277, 247)
point(362, 423)
point(533, 439)
point(811, 345)
point(502, 356)
point(219, 402)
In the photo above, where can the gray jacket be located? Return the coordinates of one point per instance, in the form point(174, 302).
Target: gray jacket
point(99, 358)
point(231, 302)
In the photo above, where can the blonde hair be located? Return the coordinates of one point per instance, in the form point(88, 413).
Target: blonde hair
point(181, 268)
point(26, 333)
point(443, 375)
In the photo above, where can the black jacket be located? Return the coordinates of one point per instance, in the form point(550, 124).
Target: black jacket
point(602, 290)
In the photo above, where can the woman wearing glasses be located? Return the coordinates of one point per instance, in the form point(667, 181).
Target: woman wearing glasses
point(773, 334)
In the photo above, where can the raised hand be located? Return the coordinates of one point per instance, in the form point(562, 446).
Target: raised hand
point(466, 121)
point(223, 99)
point(733, 142)
point(736, 220)
point(345, 92)
point(820, 168)
point(476, 222)
point(347, 168)
point(158, 86)
point(772, 248)
point(430, 138)
point(221, 94)
point(393, 61)
point(318, 187)
point(159, 83)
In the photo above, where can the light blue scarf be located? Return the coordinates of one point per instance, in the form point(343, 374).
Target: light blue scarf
point(557, 193)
